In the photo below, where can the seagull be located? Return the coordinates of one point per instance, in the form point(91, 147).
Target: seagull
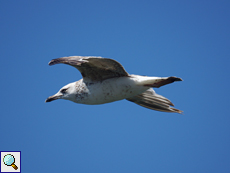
point(105, 80)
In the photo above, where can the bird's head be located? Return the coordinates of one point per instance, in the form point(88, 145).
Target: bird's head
point(66, 92)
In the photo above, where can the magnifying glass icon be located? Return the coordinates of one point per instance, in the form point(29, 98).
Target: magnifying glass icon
point(9, 160)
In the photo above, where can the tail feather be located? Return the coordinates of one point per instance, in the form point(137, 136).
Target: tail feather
point(151, 100)
point(157, 82)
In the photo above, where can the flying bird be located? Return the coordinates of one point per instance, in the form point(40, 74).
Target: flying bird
point(105, 80)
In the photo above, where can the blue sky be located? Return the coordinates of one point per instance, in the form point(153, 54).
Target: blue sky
point(188, 39)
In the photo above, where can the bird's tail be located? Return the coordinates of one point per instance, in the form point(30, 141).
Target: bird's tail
point(151, 100)
point(156, 82)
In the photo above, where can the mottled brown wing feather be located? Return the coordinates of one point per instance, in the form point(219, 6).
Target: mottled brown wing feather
point(154, 101)
point(93, 68)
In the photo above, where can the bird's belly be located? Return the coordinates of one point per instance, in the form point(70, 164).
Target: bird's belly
point(112, 90)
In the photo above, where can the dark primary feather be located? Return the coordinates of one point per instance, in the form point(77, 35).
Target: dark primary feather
point(93, 68)
point(151, 100)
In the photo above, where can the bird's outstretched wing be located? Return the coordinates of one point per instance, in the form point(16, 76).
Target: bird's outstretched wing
point(93, 68)
point(151, 100)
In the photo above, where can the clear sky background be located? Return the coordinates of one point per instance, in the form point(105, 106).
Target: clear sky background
point(188, 39)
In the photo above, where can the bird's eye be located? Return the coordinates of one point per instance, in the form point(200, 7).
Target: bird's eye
point(64, 90)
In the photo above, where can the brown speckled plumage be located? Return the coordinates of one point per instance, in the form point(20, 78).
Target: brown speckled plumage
point(105, 80)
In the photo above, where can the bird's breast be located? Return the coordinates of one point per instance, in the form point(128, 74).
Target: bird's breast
point(109, 90)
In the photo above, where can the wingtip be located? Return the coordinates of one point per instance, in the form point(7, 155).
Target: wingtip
point(51, 62)
point(179, 79)
point(55, 61)
point(174, 110)
point(63, 60)
point(181, 112)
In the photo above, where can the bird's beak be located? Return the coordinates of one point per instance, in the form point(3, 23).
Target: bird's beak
point(54, 97)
